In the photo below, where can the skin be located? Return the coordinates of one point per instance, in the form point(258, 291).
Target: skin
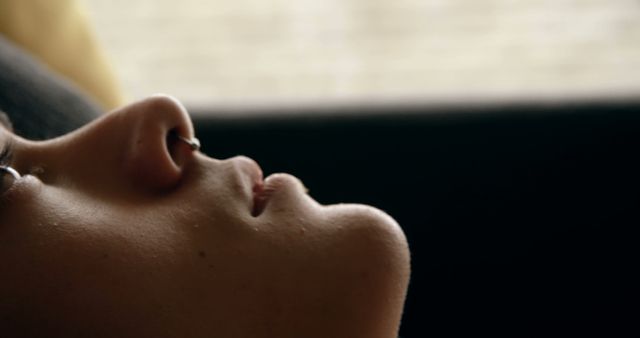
point(121, 231)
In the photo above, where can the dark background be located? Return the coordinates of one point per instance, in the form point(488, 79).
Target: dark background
point(522, 218)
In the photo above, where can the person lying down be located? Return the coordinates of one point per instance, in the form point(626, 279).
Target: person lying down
point(125, 228)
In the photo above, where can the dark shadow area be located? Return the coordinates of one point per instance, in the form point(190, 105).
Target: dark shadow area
point(522, 219)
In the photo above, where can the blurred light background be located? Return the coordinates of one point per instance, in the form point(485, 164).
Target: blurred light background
point(213, 52)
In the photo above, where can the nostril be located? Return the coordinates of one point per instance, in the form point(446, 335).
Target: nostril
point(180, 147)
point(172, 147)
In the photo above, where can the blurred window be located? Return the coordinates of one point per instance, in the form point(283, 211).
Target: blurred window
point(212, 52)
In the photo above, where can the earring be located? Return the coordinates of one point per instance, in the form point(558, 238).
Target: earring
point(194, 143)
point(11, 171)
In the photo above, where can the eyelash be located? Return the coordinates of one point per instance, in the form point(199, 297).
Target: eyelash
point(6, 153)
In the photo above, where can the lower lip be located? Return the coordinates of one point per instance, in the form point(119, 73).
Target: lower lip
point(263, 192)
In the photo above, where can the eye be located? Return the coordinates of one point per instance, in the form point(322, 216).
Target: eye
point(8, 174)
point(8, 177)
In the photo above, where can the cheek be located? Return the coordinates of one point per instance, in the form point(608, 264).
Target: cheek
point(58, 262)
point(65, 255)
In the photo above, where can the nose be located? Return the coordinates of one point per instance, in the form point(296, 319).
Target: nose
point(136, 147)
point(154, 156)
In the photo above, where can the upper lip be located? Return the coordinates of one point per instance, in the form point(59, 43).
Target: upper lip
point(254, 172)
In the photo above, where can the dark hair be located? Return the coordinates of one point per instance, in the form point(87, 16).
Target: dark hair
point(40, 103)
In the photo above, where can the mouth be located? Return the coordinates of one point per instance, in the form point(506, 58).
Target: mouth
point(260, 191)
point(263, 192)
point(260, 199)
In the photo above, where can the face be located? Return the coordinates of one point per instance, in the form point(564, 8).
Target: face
point(121, 229)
